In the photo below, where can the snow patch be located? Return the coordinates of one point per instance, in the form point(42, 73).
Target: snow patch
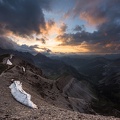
point(20, 95)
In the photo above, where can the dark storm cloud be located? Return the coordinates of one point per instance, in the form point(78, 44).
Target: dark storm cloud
point(22, 17)
point(42, 40)
point(105, 15)
point(7, 43)
point(95, 42)
point(46, 51)
point(74, 38)
point(25, 48)
point(79, 28)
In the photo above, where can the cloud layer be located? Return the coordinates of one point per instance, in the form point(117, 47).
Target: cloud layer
point(22, 17)
point(105, 15)
point(26, 18)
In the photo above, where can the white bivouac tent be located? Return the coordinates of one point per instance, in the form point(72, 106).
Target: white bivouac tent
point(8, 62)
point(20, 95)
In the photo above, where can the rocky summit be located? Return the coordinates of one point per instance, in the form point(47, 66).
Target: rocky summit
point(64, 98)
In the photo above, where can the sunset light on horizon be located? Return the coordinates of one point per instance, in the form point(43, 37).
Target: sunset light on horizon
point(66, 26)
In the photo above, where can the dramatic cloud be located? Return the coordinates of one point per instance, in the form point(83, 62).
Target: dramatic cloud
point(63, 28)
point(79, 28)
point(105, 15)
point(49, 28)
point(7, 43)
point(94, 12)
point(42, 40)
point(51, 23)
point(53, 29)
point(27, 21)
point(94, 42)
point(22, 17)
point(45, 51)
point(30, 49)
point(74, 38)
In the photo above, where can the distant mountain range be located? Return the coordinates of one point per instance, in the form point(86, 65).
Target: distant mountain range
point(52, 68)
point(70, 90)
point(85, 84)
point(95, 68)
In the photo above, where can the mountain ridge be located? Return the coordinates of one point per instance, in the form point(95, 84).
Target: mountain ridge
point(67, 92)
point(39, 87)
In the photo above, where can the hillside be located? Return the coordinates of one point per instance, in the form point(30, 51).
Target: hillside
point(53, 100)
point(51, 68)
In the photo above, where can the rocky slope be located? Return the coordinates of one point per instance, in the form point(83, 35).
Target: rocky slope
point(56, 100)
point(51, 68)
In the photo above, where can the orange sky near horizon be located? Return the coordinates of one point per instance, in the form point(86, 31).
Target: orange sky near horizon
point(52, 43)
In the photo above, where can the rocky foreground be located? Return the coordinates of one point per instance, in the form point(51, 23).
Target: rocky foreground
point(52, 104)
point(10, 109)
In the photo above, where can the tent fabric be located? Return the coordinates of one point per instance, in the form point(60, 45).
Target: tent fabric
point(23, 68)
point(8, 62)
point(20, 95)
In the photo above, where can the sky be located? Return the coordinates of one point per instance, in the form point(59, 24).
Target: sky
point(60, 26)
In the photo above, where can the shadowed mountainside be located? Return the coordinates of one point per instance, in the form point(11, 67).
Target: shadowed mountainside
point(42, 89)
point(71, 90)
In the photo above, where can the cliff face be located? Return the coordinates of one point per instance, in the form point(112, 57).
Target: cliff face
point(79, 93)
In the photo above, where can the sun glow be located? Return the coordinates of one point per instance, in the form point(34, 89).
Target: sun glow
point(51, 42)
